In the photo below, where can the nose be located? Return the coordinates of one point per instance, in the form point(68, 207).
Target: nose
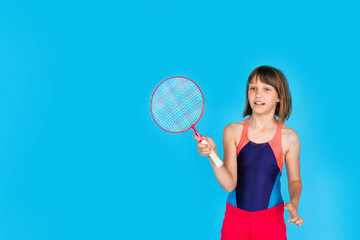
point(257, 94)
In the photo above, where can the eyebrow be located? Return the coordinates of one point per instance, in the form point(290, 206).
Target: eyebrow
point(263, 83)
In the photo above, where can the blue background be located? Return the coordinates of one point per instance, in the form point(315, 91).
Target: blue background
point(80, 156)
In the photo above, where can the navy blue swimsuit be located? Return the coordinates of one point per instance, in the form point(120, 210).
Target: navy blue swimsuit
point(259, 168)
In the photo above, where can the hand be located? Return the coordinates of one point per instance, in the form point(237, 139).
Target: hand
point(292, 207)
point(205, 149)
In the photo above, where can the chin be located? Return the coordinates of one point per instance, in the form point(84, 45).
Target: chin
point(260, 110)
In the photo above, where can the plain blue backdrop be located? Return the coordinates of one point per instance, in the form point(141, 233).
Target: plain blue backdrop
point(80, 156)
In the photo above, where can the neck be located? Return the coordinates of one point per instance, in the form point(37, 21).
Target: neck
point(262, 121)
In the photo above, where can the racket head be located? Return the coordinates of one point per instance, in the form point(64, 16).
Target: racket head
point(177, 104)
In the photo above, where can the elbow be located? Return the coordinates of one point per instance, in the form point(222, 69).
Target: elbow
point(298, 181)
point(231, 188)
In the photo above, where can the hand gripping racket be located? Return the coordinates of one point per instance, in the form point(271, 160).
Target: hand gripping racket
point(176, 105)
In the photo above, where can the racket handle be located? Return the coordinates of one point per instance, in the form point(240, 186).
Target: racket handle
point(214, 157)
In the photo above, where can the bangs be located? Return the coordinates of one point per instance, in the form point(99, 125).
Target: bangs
point(264, 76)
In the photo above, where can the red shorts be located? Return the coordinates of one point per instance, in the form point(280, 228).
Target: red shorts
point(264, 224)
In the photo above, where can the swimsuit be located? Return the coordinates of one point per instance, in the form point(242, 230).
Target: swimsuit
point(257, 193)
point(259, 167)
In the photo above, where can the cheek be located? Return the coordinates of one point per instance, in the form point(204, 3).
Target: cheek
point(250, 98)
point(251, 95)
point(272, 97)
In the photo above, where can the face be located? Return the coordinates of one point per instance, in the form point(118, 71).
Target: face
point(262, 97)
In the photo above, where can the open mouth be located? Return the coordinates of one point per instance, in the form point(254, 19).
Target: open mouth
point(259, 103)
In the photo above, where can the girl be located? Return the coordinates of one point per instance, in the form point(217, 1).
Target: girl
point(254, 154)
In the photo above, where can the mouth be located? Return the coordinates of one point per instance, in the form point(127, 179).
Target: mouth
point(259, 103)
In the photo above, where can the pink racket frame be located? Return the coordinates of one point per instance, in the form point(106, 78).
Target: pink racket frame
point(192, 126)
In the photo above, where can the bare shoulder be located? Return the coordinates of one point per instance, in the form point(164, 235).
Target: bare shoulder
point(290, 138)
point(233, 131)
point(234, 127)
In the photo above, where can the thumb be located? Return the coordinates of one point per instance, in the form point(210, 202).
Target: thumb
point(196, 137)
point(203, 138)
point(206, 138)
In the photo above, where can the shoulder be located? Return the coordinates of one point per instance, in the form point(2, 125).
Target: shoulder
point(234, 127)
point(233, 130)
point(290, 137)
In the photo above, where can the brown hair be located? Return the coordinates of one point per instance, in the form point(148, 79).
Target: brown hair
point(276, 79)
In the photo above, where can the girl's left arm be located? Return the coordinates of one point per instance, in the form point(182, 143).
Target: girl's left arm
point(292, 162)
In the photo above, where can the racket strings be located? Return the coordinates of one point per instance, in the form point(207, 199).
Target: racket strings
point(177, 114)
point(177, 104)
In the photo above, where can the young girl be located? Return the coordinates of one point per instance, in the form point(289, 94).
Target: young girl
point(255, 151)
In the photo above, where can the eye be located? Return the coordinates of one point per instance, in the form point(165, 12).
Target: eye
point(252, 88)
point(267, 89)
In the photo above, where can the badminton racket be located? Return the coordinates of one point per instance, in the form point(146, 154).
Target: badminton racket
point(176, 105)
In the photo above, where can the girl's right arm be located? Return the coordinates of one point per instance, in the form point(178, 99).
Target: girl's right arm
point(226, 175)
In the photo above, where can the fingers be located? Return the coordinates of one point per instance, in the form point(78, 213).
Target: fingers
point(297, 220)
point(199, 139)
point(294, 219)
point(196, 137)
point(294, 214)
point(204, 149)
point(300, 222)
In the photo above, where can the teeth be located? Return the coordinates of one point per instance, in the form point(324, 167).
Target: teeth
point(259, 103)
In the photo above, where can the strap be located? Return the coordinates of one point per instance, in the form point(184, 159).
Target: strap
point(243, 139)
point(276, 145)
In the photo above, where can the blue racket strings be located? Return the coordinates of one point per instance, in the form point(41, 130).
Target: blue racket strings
point(177, 104)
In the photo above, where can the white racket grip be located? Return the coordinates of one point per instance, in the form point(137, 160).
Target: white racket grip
point(214, 157)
